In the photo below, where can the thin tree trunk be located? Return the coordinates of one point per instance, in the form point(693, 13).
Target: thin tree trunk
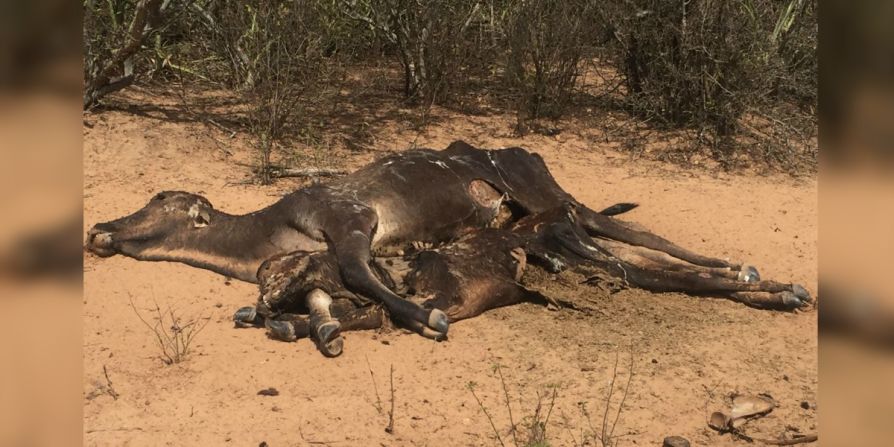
point(146, 15)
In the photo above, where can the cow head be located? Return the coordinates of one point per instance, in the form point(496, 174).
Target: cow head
point(170, 216)
point(556, 239)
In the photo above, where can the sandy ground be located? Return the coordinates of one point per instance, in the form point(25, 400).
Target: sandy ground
point(685, 354)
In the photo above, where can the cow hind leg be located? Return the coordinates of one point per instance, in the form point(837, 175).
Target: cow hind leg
point(597, 224)
point(762, 294)
point(658, 272)
point(793, 299)
point(651, 259)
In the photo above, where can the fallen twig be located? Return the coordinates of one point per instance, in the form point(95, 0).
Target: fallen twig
point(278, 172)
point(109, 389)
point(803, 439)
point(221, 127)
point(97, 430)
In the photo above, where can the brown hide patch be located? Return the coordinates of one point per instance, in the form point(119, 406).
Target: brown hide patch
point(472, 275)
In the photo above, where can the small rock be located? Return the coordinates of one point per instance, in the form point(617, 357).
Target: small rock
point(268, 392)
point(805, 405)
point(386, 342)
point(655, 361)
point(675, 441)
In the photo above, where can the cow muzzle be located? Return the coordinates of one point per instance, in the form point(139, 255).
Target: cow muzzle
point(99, 242)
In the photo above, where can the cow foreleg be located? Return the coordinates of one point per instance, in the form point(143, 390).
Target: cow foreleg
point(291, 327)
point(320, 326)
point(353, 253)
point(349, 316)
point(324, 330)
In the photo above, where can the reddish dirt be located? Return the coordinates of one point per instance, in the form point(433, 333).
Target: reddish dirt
point(686, 354)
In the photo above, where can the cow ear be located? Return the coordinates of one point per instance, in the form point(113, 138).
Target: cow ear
point(200, 216)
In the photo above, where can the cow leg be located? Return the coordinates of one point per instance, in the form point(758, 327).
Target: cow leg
point(650, 259)
point(319, 325)
point(324, 329)
point(353, 253)
point(763, 294)
point(638, 266)
point(290, 327)
point(794, 299)
point(349, 316)
point(599, 225)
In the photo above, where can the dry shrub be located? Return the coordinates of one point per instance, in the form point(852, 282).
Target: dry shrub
point(546, 41)
point(275, 51)
point(704, 64)
point(174, 334)
point(739, 75)
point(531, 430)
point(428, 39)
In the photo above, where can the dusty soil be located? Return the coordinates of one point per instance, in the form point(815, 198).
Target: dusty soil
point(686, 355)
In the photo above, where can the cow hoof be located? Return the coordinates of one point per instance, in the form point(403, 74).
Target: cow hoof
point(328, 331)
point(246, 317)
point(436, 336)
point(280, 330)
point(332, 348)
point(438, 321)
point(791, 301)
point(802, 294)
point(264, 310)
point(749, 274)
